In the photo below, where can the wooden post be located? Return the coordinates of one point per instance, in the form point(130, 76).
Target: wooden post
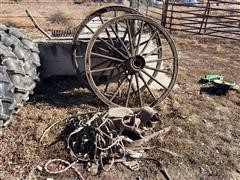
point(164, 13)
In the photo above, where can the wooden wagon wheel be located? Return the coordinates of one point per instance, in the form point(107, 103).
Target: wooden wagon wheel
point(87, 28)
point(140, 71)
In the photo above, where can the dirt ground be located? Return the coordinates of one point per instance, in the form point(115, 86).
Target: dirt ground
point(205, 123)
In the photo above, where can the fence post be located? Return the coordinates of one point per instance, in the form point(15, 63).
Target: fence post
point(134, 4)
point(164, 13)
point(205, 17)
point(133, 24)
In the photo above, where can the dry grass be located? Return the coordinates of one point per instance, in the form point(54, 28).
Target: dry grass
point(205, 124)
point(66, 15)
point(58, 18)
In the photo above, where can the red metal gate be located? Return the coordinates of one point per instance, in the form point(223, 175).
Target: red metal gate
point(216, 18)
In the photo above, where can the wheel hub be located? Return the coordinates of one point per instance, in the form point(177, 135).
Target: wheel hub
point(135, 64)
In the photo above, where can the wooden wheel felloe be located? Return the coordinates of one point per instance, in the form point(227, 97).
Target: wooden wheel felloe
point(131, 61)
point(88, 27)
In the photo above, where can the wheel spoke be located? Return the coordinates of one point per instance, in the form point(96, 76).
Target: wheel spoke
point(102, 73)
point(153, 51)
point(124, 46)
point(147, 86)
point(124, 35)
point(107, 57)
point(139, 30)
point(100, 64)
point(104, 69)
point(154, 79)
point(157, 60)
point(139, 37)
point(158, 70)
point(144, 42)
point(138, 89)
point(125, 32)
point(104, 50)
point(130, 36)
point(115, 49)
point(129, 89)
point(148, 42)
point(100, 17)
point(116, 27)
point(119, 87)
point(89, 28)
point(109, 80)
point(106, 30)
point(79, 57)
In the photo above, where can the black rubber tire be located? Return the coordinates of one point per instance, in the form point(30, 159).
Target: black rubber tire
point(17, 75)
point(24, 54)
point(26, 41)
point(8, 104)
point(19, 60)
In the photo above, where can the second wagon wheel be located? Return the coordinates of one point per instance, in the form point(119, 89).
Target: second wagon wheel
point(141, 71)
point(87, 28)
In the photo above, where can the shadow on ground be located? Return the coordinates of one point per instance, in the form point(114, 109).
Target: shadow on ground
point(63, 91)
point(212, 90)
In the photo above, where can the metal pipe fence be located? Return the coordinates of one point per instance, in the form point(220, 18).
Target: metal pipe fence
point(217, 18)
point(213, 18)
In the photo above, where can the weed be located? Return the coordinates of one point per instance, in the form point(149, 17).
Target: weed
point(58, 18)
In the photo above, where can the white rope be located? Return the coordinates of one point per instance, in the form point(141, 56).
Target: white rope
point(69, 165)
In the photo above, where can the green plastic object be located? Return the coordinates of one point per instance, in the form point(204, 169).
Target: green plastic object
point(211, 78)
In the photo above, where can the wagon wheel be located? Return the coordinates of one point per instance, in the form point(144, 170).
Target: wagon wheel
point(87, 28)
point(136, 70)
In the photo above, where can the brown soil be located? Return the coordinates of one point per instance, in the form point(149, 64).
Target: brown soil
point(205, 123)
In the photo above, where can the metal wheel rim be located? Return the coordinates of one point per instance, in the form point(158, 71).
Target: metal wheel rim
point(90, 79)
point(82, 25)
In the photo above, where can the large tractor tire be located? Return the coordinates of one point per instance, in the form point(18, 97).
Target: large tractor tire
point(25, 50)
point(19, 59)
point(16, 72)
point(26, 41)
point(7, 102)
